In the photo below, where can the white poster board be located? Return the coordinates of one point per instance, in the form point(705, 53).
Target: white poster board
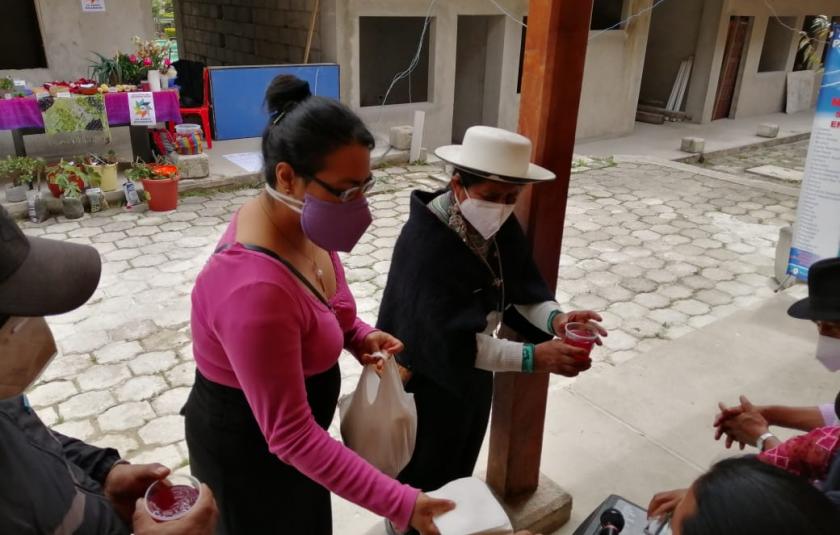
point(816, 233)
point(141, 109)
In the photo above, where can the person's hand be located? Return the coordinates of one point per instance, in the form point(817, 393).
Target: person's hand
point(379, 342)
point(745, 427)
point(557, 357)
point(405, 373)
point(664, 503)
point(578, 316)
point(127, 482)
point(425, 510)
point(201, 520)
point(726, 413)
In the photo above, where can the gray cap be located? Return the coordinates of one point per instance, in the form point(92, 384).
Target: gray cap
point(41, 277)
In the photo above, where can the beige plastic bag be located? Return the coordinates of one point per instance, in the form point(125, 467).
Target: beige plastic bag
point(379, 419)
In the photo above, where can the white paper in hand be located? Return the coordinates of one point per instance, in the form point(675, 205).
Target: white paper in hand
point(476, 513)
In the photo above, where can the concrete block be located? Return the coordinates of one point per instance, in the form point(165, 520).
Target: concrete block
point(693, 145)
point(768, 130)
point(775, 171)
point(783, 253)
point(193, 165)
point(544, 511)
point(400, 137)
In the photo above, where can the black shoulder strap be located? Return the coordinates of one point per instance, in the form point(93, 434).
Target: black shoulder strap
point(293, 269)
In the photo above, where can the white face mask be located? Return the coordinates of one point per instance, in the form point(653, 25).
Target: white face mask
point(486, 217)
point(828, 352)
point(295, 204)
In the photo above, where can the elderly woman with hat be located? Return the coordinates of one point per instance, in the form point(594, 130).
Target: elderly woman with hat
point(461, 267)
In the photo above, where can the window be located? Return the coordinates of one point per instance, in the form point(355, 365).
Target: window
point(606, 14)
point(777, 44)
point(522, 55)
point(386, 47)
point(21, 46)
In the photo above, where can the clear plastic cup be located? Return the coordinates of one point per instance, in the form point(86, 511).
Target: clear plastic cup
point(582, 336)
point(173, 497)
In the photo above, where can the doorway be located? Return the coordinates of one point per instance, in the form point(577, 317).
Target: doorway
point(736, 41)
point(478, 72)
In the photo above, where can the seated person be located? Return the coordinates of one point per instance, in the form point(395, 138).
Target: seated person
point(814, 455)
point(749, 424)
point(50, 483)
point(744, 496)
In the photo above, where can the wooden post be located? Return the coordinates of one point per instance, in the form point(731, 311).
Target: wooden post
point(555, 53)
point(311, 31)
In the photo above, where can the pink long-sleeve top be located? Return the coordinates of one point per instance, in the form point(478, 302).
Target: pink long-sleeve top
point(255, 327)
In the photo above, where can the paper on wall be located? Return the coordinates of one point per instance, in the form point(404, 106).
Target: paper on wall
point(93, 6)
point(476, 513)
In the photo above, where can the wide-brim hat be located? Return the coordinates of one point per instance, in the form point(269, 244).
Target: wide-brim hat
point(495, 154)
point(823, 301)
point(40, 277)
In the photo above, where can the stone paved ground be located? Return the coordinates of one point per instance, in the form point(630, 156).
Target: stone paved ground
point(659, 251)
point(788, 155)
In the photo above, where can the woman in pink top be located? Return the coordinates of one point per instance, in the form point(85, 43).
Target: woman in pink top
point(271, 313)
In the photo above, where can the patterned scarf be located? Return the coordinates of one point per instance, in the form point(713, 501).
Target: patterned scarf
point(449, 211)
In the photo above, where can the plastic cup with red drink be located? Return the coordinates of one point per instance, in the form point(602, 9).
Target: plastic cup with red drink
point(173, 497)
point(582, 336)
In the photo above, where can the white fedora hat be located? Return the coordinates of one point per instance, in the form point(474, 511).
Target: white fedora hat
point(495, 154)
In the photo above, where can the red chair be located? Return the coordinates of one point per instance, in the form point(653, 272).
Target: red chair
point(202, 111)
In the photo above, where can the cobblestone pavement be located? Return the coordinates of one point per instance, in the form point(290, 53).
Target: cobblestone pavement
point(658, 251)
point(788, 155)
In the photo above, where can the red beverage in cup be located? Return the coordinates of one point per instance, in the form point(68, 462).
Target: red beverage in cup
point(172, 498)
point(579, 335)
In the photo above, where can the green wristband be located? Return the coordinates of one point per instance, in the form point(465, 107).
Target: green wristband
point(528, 351)
point(551, 317)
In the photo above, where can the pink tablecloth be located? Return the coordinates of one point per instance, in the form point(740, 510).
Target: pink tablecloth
point(24, 112)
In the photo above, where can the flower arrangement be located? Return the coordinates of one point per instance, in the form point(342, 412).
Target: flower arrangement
point(131, 69)
point(151, 54)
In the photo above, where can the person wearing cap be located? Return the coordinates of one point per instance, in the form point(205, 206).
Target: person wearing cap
point(746, 423)
point(51, 483)
point(461, 267)
point(815, 454)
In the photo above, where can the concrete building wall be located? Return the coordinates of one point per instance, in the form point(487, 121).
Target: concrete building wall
point(674, 32)
point(757, 93)
point(702, 86)
point(611, 83)
point(340, 31)
point(245, 32)
point(613, 76)
point(71, 36)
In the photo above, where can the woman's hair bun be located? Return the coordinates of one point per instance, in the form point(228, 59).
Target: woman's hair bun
point(284, 92)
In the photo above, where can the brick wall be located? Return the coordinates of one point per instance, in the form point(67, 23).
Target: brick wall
point(246, 32)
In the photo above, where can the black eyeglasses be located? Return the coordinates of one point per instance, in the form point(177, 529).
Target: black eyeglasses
point(347, 195)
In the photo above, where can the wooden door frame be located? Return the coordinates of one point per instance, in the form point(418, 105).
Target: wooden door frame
point(733, 22)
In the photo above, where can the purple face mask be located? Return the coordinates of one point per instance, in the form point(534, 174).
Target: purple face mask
point(335, 226)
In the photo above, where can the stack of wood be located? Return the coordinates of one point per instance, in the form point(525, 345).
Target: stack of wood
point(653, 114)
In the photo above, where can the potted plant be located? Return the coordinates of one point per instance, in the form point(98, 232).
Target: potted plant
point(106, 168)
point(7, 87)
point(21, 171)
point(78, 172)
point(71, 196)
point(160, 183)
